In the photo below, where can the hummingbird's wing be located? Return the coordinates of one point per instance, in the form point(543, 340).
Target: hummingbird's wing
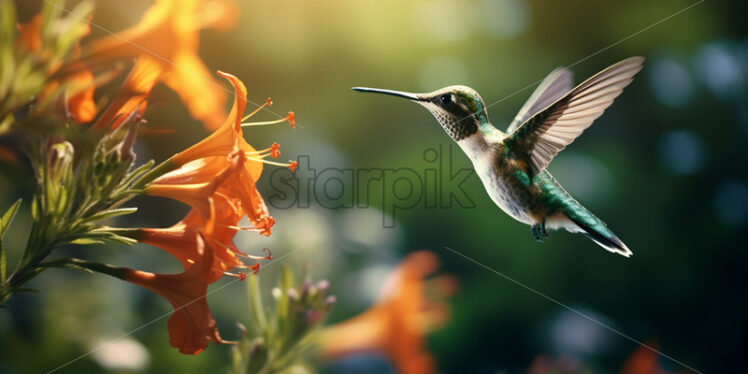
point(549, 131)
point(555, 85)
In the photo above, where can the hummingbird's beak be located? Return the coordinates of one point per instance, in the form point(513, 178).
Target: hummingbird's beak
point(407, 95)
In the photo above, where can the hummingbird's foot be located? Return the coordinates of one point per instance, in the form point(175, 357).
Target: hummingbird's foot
point(538, 232)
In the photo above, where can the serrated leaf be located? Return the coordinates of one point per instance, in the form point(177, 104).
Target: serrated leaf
point(8, 216)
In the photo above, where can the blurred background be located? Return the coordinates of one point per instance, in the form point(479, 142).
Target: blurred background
point(664, 167)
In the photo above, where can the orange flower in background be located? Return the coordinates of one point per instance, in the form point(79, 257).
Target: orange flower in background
point(79, 100)
point(191, 326)
point(395, 326)
point(545, 364)
point(132, 95)
point(643, 361)
point(168, 36)
point(30, 35)
point(8, 155)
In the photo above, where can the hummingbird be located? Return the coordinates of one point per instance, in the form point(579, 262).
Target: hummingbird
point(512, 164)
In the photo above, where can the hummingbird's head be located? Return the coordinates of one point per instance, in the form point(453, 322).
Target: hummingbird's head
point(459, 109)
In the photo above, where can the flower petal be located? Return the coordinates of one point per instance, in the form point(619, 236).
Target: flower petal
point(191, 326)
point(193, 82)
point(81, 105)
point(134, 91)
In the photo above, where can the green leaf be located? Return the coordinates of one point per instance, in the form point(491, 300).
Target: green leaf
point(87, 266)
point(7, 23)
point(35, 209)
point(255, 302)
point(8, 216)
point(283, 304)
point(297, 369)
point(121, 239)
point(110, 213)
point(33, 290)
point(6, 122)
point(5, 221)
point(139, 171)
point(100, 236)
point(7, 63)
point(86, 241)
point(3, 262)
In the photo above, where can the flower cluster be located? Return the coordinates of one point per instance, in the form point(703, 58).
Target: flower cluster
point(216, 177)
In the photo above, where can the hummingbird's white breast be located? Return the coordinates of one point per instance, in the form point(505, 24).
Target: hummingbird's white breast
point(482, 151)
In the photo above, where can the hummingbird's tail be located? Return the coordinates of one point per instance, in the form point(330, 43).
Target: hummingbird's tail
point(583, 221)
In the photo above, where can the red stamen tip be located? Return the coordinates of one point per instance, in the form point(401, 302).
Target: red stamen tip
point(268, 102)
point(269, 253)
point(255, 268)
point(275, 150)
point(291, 117)
point(292, 166)
point(242, 276)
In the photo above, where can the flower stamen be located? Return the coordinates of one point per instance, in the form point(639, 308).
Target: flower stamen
point(234, 250)
point(290, 165)
point(273, 151)
point(268, 102)
point(290, 118)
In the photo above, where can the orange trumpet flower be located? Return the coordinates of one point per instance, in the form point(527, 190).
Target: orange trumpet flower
point(396, 324)
point(229, 135)
point(182, 239)
point(227, 154)
point(168, 36)
point(191, 326)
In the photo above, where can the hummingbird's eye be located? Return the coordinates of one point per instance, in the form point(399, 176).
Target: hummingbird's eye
point(446, 98)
